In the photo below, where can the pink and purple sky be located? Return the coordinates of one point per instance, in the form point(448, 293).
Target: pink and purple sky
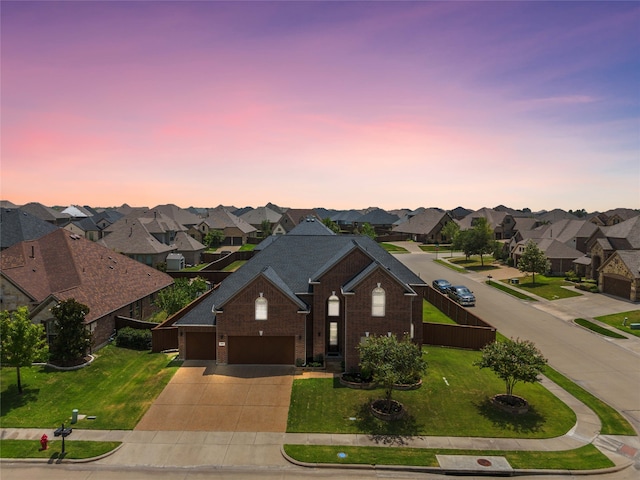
point(321, 104)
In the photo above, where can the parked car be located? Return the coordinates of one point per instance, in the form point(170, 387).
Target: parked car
point(462, 295)
point(441, 285)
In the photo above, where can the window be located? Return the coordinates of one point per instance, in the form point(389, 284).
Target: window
point(377, 302)
point(261, 308)
point(333, 306)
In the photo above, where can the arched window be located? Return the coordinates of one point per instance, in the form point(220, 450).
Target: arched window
point(261, 308)
point(333, 307)
point(377, 302)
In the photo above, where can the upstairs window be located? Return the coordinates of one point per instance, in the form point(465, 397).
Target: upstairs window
point(261, 308)
point(333, 309)
point(378, 302)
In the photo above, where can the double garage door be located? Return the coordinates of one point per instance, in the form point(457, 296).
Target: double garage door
point(618, 286)
point(262, 350)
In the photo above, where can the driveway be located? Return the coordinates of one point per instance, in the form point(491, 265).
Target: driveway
point(235, 398)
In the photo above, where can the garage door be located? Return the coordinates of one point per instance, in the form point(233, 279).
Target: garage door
point(620, 287)
point(262, 350)
point(200, 346)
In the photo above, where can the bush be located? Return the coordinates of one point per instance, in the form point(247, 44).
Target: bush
point(134, 338)
point(588, 287)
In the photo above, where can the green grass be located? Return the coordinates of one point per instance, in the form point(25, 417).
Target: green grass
point(510, 291)
point(195, 268)
point(247, 247)
point(451, 266)
point(587, 457)
point(461, 408)
point(597, 328)
point(550, 288)
point(613, 423)
point(118, 388)
point(432, 315)
point(615, 320)
point(74, 449)
point(391, 248)
point(474, 263)
point(233, 266)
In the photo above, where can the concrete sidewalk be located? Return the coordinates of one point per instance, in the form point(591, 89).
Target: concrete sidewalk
point(264, 449)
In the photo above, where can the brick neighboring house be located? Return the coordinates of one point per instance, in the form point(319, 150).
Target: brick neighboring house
point(305, 295)
point(61, 265)
point(292, 217)
point(426, 226)
point(502, 223)
point(236, 231)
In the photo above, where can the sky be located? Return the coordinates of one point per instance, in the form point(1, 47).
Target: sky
point(309, 104)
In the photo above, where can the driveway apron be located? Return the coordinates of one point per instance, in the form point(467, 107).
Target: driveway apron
point(203, 396)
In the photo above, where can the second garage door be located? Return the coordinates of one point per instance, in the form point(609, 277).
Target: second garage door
point(262, 350)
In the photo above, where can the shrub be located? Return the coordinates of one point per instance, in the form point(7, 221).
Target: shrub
point(134, 338)
point(588, 287)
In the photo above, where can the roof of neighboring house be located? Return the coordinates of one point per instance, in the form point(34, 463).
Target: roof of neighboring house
point(179, 215)
point(294, 261)
point(424, 222)
point(525, 223)
point(220, 218)
point(67, 266)
point(346, 216)
point(624, 235)
point(86, 224)
point(555, 215)
point(460, 212)
point(7, 204)
point(494, 218)
point(294, 216)
point(76, 211)
point(555, 249)
point(631, 258)
point(17, 225)
point(185, 243)
point(131, 236)
point(45, 213)
point(378, 217)
point(564, 230)
point(257, 215)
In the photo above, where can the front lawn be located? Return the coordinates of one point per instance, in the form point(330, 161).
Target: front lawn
point(550, 288)
point(117, 388)
point(391, 248)
point(453, 401)
point(432, 315)
point(616, 320)
point(474, 263)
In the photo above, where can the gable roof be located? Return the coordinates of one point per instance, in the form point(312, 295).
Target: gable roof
point(423, 222)
point(130, 235)
point(17, 225)
point(494, 218)
point(68, 266)
point(624, 235)
point(186, 243)
point(177, 214)
point(220, 218)
point(299, 260)
point(378, 217)
point(311, 226)
point(44, 213)
point(630, 258)
point(257, 215)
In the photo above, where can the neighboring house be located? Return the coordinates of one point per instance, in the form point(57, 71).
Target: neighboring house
point(76, 211)
point(459, 213)
point(256, 216)
point(305, 295)
point(613, 217)
point(381, 221)
point(61, 265)
point(572, 233)
point(554, 216)
point(180, 215)
point(502, 223)
point(45, 213)
point(425, 227)
point(292, 217)
point(623, 241)
point(346, 218)
point(560, 256)
point(189, 247)
point(17, 226)
point(236, 231)
point(84, 227)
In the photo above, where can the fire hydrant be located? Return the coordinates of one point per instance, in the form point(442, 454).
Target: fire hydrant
point(44, 440)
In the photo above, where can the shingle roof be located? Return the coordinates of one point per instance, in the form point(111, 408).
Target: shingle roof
point(68, 266)
point(17, 225)
point(257, 215)
point(179, 215)
point(625, 235)
point(424, 222)
point(131, 236)
point(186, 243)
point(378, 217)
point(297, 260)
point(631, 258)
point(220, 218)
point(45, 213)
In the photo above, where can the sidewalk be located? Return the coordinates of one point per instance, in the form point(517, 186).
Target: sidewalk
point(253, 449)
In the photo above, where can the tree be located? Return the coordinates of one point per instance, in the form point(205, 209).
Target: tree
point(214, 238)
point(481, 239)
point(391, 362)
point(265, 227)
point(450, 231)
point(333, 226)
point(180, 294)
point(21, 341)
point(513, 361)
point(73, 340)
point(533, 260)
point(367, 230)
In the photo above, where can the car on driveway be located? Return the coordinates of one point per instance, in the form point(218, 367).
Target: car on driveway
point(441, 285)
point(462, 295)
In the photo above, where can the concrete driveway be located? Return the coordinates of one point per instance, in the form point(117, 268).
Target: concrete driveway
point(235, 398)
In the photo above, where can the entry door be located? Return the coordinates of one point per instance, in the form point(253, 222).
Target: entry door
point(334, 346)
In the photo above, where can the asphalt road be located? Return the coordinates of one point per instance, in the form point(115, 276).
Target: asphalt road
point(609, 370)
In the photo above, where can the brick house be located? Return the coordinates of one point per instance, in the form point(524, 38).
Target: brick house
point(61, 265)
point(425, 226)
point(304, 295)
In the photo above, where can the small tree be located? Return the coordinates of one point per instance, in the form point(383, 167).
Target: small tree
point(450, 231)
point(513, 361)
point(367, 230)
point(481, 239)
point(214, 238)
point(333, 226)
point(21, 341)
point(391, 362)
point(265, 227)
point(533, 260)
point(73, 339)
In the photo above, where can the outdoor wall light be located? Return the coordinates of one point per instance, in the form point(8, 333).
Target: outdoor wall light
point(261, 332)
point(388, 334)
point(366, 334)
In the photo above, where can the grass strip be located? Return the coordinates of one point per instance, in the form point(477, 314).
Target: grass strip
point(549, 288)
point(74, 449)
point(597, 328)
point(587, 457)
point(451, 266)
point(616, 320)
point(510, 291)
point(613, 423)
point(391, 248)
